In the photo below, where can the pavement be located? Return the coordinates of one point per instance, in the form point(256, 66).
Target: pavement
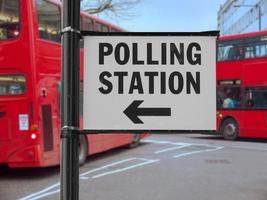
point(163, 167)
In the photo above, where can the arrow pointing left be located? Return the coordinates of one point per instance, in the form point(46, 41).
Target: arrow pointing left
point(133, 111)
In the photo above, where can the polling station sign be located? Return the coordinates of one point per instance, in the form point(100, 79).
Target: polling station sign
point(150, 81)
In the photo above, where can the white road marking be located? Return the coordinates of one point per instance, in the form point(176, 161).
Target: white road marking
point(171, 149)
point(196, 152)
point(55, 188)
point(106, 166)
point(164, 142)
point(125, 168)
point(44, 195)
point(177, 145)
point(32, 196)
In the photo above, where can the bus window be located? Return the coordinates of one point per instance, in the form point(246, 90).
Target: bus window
point(261, 50)
point(113, 30)
point(101, 27)
point(228, 97)
point(12, 85)
point(230, 50)
point(229, 94)
point(48, 21)
point(250, 52)
point(255, 47)
point(105, 28)
point(252, 47)
point(87, 24)
point(261, 47)
point(98, 27)
point(81, 27)
point(9, 19)
point(256, 98)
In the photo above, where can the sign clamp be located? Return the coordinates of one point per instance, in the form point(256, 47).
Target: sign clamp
point(66, 129)
point(70, 29)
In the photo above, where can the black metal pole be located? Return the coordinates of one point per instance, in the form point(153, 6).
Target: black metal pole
point(69, 166)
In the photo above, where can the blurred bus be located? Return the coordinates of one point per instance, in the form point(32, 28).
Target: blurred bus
point(30, 70)
point(242, 85)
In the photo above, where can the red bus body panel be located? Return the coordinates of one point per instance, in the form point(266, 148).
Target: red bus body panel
point(40, 61)
point(252, 72)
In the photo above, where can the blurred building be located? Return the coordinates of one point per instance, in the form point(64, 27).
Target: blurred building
point(239, 16)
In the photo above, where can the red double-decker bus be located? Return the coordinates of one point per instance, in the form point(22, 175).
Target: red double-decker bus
point(242, 85)
point(30, 69)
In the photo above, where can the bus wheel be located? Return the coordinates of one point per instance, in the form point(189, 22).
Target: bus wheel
point(135, 141)
point(230, 130)
point(83, 149)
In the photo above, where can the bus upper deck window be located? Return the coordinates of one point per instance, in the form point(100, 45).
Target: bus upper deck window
point(49, 24)
point(113, 30)
point(98, 27)
point(87, 24)
point(105, 28)
point(9, 19)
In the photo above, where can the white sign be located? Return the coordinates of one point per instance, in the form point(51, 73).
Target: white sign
point(23, 122)
point(150, 82)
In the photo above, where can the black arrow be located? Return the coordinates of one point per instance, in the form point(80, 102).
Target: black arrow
point(133, 111)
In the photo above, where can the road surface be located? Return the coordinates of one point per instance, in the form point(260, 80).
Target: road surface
point(163, 167)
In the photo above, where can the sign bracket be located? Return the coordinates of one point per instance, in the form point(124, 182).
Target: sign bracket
point(203, 33)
